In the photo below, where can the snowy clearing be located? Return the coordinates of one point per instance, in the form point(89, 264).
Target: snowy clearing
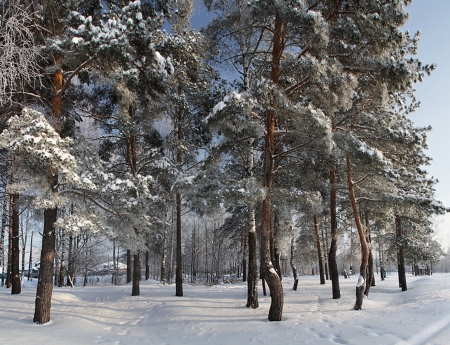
point(217, 315)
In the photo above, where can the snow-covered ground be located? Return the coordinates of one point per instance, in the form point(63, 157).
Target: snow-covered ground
point(217, 315)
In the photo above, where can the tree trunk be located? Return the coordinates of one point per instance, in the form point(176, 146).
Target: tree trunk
point(294, 268)
point(45, 282)
point(62, 268)
point(164, 253)
point(30, 261)
point(362, 238)
point(10, 236)
point(325, 251)
point(170, 270)
point(268, 272)
point(15, 256)
point(179, 269)
point(319, 250)
point(245, 254)
point(252, 281)
point(3, 232)
point(129, 277)
point(276, 246)
point(334, 272)
point(70, 263)
point(136, 274)
point(401, 259)
point(370, 274)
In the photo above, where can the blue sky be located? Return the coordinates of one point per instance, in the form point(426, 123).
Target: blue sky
point(431, 18)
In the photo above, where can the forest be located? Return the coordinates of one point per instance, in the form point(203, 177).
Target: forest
point(276, 140)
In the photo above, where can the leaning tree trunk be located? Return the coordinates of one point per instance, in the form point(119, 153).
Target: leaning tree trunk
point(294, 268)
point(319, 250)
point(362, 238)
point(332, 264)
point(401, 259)
point(136, 274)
point(15, 276)
point(252, 281)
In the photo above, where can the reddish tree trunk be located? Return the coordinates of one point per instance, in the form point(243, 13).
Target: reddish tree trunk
point(268, 271)
point(362, 238)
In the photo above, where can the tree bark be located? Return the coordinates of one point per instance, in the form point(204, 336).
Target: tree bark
point(334, 272)
point(252, 281)
point(362, 238)
point(136, 274)
point(45, 282)
point(370, 273)
point(401, 259)
point(164, 253)
point(129, 277)
point(294, 268)
point(325, 251)
point(15, 256)
point(3, 232)
point(319, 250)
point(10, 236)
point(179, 269)
point(276, 247)
point(62, 268)
point(268, 271)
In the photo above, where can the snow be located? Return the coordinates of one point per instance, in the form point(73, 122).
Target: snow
point(217, 314)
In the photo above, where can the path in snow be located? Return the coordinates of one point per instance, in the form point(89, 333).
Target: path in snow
point(217, 315)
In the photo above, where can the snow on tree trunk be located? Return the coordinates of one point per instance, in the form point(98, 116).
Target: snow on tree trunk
point(268, 272)
point(9, 267)
point(370, 275)
point(294, 268)
point(276, 248)
point(400, 254)
point(252, 281)
point(362, 238)
point(15, 256)
point(334, 273)
point(2, 234)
